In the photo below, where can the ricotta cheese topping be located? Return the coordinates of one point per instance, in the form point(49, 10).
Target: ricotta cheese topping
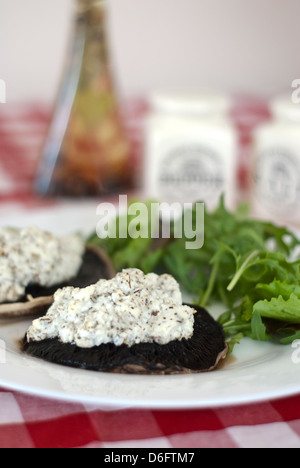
point(129, 309)
point(32, 256)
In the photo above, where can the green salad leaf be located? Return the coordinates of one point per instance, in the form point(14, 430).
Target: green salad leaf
point(248, 265)
point(278, 308)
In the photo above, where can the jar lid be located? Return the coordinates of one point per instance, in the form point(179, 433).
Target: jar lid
point(283, 107)
point(186, 103)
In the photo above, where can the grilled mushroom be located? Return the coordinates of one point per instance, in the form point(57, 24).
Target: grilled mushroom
point(201, 353)
point(95, 265)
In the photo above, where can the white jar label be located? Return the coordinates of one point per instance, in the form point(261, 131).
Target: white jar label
point(191, 172)
point(277, 181)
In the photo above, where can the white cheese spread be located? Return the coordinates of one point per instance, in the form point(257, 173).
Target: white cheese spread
point(129, 309)
point(32, 256)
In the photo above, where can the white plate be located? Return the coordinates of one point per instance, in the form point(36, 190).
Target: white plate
point(256, 372)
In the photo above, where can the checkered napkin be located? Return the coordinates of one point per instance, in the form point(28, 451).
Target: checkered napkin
point(31, 422)
point(28, 421)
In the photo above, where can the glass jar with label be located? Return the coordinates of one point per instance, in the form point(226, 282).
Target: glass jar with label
point(191, 149)
point(275, 173)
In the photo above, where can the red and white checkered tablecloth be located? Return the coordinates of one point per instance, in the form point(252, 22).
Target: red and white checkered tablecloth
point(31, 422)
point(28, 421)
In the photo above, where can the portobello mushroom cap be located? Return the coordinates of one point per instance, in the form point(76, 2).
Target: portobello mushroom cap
point(201, 353)
point(95, 265)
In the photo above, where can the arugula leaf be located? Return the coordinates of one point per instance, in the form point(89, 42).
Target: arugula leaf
point(242, 265)
point(286, 310)
point(258, 329)
point(287, 336)
point(248, 265)
point(278, 288)
point(233, 341)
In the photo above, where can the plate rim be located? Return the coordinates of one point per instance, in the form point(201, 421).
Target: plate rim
point(18, 384)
